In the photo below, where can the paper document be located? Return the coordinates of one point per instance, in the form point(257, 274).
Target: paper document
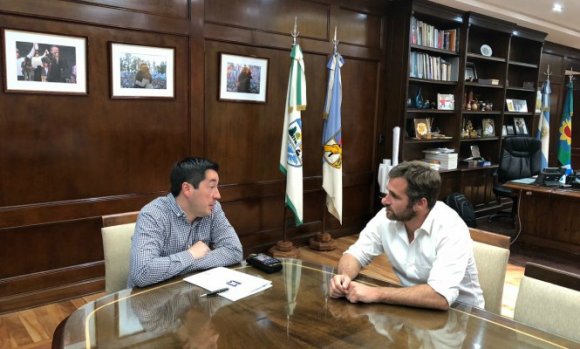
point(239, 284)
point(530, 180)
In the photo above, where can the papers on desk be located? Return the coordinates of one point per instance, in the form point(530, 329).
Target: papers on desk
point(239, 284)
point(530, 180)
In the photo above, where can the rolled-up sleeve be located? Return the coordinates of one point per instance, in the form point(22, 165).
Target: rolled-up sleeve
point(369, 244)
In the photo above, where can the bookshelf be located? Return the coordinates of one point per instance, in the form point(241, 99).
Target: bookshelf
point(487, 50)
point(490, 61)
point(434, 69)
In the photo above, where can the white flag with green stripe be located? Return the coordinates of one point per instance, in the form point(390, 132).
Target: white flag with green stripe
point(291, 150)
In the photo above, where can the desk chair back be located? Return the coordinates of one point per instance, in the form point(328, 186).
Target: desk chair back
point(117, 232)
point(549, 299)
point(491, 258)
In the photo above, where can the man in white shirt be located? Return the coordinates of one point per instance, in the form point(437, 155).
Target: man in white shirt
point(426, 242)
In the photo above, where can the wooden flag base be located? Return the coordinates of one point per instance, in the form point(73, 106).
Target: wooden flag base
point(284, 249)
point(322, 242)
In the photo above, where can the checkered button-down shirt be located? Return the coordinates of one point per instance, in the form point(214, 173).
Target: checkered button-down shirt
point(163, 235)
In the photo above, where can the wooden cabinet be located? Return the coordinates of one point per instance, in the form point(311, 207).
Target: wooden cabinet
point(490, 62)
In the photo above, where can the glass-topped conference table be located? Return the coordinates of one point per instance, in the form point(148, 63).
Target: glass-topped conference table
point(295, 312)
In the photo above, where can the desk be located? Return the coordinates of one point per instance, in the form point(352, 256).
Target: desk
point(294, 313)
point(550, 217)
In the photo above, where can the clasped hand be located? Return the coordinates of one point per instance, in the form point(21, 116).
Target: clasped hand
point(199, 249)
point(354, 292)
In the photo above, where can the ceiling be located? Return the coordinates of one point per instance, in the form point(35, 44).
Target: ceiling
point(562, 28)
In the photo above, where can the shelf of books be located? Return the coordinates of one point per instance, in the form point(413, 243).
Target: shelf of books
point(431, 112)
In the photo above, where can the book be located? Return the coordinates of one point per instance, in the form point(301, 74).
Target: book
point(239, 285)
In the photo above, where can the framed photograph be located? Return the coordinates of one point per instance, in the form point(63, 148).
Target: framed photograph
point(510, 130)
point(488, 128)
point(520, 105)
point(445, 101)
point(422, 128)
point(520, 126)
point(46, 63)
point(142, 71)
point(509, 104)
point(243, 78)
point(470, 72)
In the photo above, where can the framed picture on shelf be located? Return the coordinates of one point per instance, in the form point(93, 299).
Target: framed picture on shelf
point(445, 101)
point(422, 128)
point(470, 72)
point(488, 128)
point(520, 105)
point(520, 126)
point(243, 78)
point(509, 104)
point(45, 63)
point(510, 130)
point(141, 71)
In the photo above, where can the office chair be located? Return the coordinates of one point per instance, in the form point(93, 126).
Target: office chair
point(520, 158)
point(491, 253)
point(549, 299)
point(117, 232)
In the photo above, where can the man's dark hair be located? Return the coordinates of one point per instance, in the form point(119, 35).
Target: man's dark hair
point(422, 181)
point(190, 170)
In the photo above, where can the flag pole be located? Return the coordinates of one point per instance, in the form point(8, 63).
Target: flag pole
point(323, 241)
point(285, 248)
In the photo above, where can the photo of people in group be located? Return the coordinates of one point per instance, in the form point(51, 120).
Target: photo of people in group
point(45, 62)
point(143, 71)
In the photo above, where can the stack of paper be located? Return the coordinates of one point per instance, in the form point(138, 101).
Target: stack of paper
point(239, 284)
point(446, 161)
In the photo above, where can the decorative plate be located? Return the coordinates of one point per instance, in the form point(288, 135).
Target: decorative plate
point(486, 50)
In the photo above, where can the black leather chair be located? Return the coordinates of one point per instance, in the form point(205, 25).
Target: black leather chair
point(520, 158)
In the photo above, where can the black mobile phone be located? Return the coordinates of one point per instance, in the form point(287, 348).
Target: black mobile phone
point(264, 262)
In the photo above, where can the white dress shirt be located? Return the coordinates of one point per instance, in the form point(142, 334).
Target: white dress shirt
point(441, 254)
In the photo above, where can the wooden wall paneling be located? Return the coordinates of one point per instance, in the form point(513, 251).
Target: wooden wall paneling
point(66, 160)
point(148, 15)
point(73, 147)
point(363, 29)
point(274, 16)
point(196, 71)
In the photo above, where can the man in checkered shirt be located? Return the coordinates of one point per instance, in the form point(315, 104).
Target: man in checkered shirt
point(185, 230)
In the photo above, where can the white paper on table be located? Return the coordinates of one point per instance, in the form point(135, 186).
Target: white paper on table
point(239, 284)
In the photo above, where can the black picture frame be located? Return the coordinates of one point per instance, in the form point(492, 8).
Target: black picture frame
point(470, 72)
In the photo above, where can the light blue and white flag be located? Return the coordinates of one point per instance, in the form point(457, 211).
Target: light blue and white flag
point(332, 139)
point(291, 150)
point(543, 133)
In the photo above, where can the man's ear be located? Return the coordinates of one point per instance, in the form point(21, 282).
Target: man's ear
point(421, 204)
point(186, 188)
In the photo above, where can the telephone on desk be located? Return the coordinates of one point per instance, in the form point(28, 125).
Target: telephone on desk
point(550, 176)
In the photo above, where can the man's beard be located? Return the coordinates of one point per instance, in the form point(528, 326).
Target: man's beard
point(404, 216)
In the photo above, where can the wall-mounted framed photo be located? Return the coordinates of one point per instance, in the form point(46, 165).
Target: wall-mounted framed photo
point(470, 72)
point(44, 63)
point(142, 71)
point(243, 78)
point(520, 126)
